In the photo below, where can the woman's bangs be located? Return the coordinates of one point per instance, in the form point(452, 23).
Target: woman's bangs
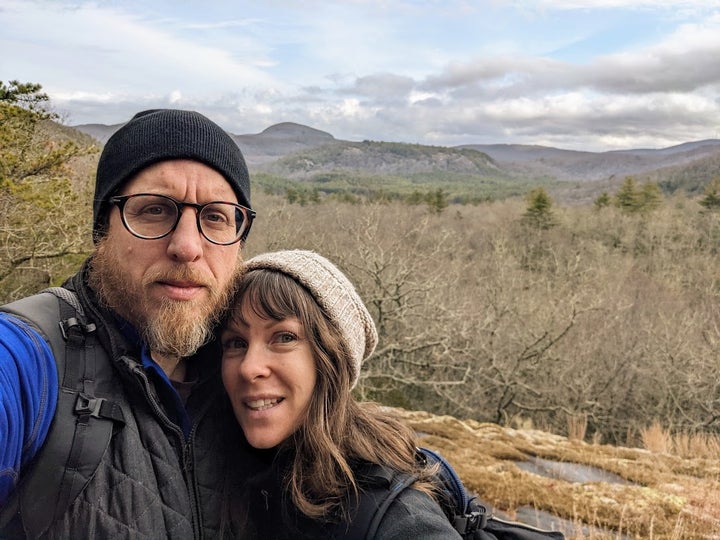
point(270, 295)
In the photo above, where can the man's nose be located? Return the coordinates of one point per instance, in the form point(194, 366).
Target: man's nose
point(186, 241)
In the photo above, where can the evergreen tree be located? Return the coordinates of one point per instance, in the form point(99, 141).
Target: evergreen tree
point(602, 201)
point(627, 198)
point(27, 96)
point(539, 212)
point(711, 200)
point(633, 199)
point(650, 197)
point(41, 214)
point(437, 200)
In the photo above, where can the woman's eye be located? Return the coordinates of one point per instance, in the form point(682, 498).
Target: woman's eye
point(234, 343)
point(286, 337)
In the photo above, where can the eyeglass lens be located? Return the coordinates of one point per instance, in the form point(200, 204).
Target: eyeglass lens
point(154, 216)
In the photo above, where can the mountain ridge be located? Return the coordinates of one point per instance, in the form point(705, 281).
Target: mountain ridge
point(298, 151)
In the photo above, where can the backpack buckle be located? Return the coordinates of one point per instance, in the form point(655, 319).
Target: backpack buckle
point(74, 331)
point(470, 522)
point(88, 405)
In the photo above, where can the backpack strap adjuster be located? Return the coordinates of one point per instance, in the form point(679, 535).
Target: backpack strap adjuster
point(98, 408)
point(74, 331)
point(88, 405)
point(472, 521)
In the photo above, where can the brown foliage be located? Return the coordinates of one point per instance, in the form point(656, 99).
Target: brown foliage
point(607, 316)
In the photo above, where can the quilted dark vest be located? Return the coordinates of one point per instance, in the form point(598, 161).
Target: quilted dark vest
point(147, 480)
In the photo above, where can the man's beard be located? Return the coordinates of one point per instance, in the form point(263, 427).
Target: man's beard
point(177, 328)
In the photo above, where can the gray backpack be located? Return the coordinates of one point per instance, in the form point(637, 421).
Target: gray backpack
point(83, 423)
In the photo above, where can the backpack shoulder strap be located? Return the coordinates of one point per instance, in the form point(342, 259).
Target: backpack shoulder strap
point(471, 518)
point(466, 515)
point(83, 423)
point(400, 482)
point(379, 487)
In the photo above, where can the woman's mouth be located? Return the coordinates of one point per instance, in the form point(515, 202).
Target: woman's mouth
point(262, 404)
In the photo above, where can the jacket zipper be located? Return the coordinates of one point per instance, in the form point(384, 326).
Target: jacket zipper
point(186, 457)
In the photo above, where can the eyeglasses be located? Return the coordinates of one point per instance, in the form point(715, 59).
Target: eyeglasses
point(150, 216)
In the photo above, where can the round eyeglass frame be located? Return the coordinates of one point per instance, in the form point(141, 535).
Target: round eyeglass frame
point(248, 217)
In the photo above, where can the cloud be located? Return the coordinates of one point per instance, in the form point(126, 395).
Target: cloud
point(686, 60)
point(581, 73)
point(384, 88)
point(104, 47)
point(674, 5)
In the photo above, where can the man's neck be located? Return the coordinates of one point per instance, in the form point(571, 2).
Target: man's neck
point(173, 366)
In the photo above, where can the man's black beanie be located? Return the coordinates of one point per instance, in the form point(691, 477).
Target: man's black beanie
point(158, 135)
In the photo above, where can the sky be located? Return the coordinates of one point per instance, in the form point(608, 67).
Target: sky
point(577, 74)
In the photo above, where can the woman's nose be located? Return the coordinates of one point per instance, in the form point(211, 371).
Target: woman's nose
point(256, 363)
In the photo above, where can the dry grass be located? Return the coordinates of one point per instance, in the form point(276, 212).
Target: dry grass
point(577, 427)
point(670, 497)
point(659, 440)
point(656, 439)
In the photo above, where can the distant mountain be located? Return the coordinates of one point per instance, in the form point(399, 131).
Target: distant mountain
point(297, 151)
point(691, 177)
point(99, 132)
point(280, 140)
point(275, 142)
point(381, 158)
point(569, 165)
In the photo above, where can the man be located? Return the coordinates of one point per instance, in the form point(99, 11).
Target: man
point(171, 211)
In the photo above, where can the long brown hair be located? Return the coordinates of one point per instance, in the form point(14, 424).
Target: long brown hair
point(337, 430)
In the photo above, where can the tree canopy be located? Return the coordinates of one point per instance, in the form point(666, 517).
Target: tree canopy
point(40, 208)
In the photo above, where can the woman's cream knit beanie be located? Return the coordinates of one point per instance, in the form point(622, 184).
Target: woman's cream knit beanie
point(333, 292)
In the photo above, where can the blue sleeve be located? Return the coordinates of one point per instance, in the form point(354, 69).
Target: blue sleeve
point(28, 397)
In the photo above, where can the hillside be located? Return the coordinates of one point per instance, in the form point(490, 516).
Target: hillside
point(294, 152)
point(99, 132)
point(569, 165)
point(280, 140)
point(382, 158)
point(691, 177)
point(585, 490)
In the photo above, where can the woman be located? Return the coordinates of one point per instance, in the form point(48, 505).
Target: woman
point(292, 352)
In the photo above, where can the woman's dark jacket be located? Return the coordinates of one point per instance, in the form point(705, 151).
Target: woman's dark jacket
point(271, 514)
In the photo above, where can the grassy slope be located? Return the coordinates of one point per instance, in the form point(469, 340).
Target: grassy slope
point(672, 497)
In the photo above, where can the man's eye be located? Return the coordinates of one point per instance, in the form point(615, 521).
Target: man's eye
point(156, 210)
point(218, 215)
point(153, 211)
point(215, 217)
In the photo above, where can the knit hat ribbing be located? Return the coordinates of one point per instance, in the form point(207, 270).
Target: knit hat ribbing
point(335, 294)
point(160, 134)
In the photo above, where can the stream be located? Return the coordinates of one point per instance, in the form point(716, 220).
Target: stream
point(569, 472)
